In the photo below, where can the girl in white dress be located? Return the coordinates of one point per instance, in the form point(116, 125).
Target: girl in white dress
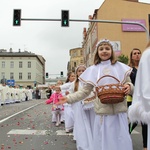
point(111, 123)
point(68, 112)
point(82, 118)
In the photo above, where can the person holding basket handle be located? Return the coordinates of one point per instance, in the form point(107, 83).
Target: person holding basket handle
point(112, 83)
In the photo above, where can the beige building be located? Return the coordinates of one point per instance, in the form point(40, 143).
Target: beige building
point(76, 58)
point(25, 68)
point(125, 37)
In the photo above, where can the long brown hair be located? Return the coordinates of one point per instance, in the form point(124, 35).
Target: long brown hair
point(76, 85)
point(98, 60)
point(68, 76)
point(131, 63)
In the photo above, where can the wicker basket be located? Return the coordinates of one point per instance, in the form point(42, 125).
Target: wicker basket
point(110, 93)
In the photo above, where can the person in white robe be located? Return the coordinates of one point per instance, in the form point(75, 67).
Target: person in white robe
point(1, 89)
point(111, 122)
point(83, 118)
point(140, 108)
point(17, 94)
point(43, 93)
point(6, 94)
point(68, 112)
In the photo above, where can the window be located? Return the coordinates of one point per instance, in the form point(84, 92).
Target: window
point(3, 64)
point(20, 64)
point(3, 75)
point(29, 64)
point(11, 64)
point(75, 64)
point(11, 75)
point(29, 75)
point(20, 76)
point(81, 53)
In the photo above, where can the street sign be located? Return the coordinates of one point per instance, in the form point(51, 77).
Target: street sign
point(10, 82)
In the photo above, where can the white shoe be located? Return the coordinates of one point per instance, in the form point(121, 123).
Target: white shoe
point(57, 124)
point(67, 131)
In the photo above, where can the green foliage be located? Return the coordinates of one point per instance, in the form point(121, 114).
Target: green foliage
point(124, 59)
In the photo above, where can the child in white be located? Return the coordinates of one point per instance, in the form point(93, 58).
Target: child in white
point(111, 123)
point(68, 112)
point(83, 121)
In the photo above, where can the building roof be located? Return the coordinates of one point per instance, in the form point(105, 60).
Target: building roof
point(16, 54)
point(4, 53)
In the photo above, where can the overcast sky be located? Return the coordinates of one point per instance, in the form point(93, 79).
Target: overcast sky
point(48, 39)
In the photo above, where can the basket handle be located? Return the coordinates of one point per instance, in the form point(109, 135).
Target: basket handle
point(107, 76)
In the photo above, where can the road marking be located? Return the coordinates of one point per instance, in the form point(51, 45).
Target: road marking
point(46, 132)
point(27, 132)
point(62, 132)
point(18, 113)
point(37, 132)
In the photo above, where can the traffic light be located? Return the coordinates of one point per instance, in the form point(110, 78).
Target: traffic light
point(65, 18)
point(17, 17)
point(46, 74)
point(61, 73)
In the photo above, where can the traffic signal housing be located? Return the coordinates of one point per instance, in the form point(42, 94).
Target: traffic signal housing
point(61, 74)
point(17, 17)
point(46, 74)
point(65, 18)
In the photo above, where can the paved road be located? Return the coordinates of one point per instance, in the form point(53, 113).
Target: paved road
point(27, 126)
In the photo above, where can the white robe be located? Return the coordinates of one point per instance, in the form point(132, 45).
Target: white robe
point(140, 108)
point(110, 131)
point(83, 123)
point(68, 112)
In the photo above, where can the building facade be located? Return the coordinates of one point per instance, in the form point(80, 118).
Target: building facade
point(24, 68)
point(76, 58)
point(124, 37)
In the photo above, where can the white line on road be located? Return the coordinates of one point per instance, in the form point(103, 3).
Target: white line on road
point(27, 132)
point(37, 132)
point(62, 132)
point(18, 113)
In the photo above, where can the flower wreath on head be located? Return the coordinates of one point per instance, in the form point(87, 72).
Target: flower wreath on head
point(103, 41)
point(79, 66)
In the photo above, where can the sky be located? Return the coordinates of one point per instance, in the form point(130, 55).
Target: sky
point(46, 38)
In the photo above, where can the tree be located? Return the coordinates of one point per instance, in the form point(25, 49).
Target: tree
point(124, 59)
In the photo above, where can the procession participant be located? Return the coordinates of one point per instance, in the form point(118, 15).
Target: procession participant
point(6, 93)
point(1, 88)
point(111, 122)
point(68, 112)
point(17, 94)
point(57, 110)
point(140, 108)
point(83, 115)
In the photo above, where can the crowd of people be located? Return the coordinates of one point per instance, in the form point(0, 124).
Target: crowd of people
point(101, 104)
point(97, 124)
point(14, 94)
point(17, 94)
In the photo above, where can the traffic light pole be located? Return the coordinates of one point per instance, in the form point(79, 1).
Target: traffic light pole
point(98, 21)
